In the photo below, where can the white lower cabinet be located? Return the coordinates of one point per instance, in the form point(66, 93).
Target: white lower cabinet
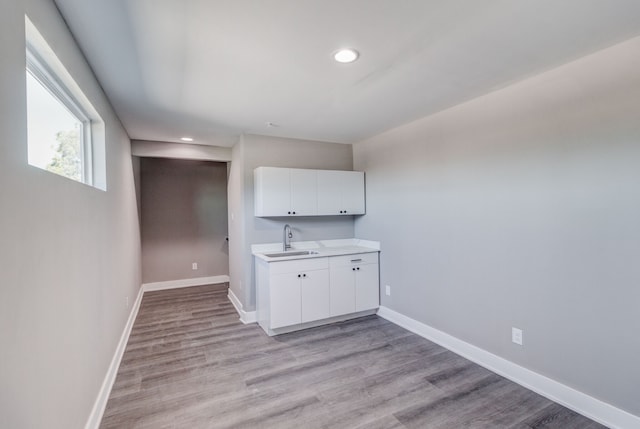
point(299, 297)
point(367, 287)
point(297, 292)
point(342, 290)
point(285, 300)
point(292, 292)
point(314, 291)
point(354, 283)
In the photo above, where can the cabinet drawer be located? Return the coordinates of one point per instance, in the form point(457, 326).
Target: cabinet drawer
point(298, 265)
point(357, 259)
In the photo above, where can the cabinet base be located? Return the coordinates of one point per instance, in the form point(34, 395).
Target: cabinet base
point(315, 323)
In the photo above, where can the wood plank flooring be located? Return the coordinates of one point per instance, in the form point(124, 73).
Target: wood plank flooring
point(190, 363)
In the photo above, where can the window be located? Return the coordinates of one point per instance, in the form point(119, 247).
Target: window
point(56, 136)
point(61, 123)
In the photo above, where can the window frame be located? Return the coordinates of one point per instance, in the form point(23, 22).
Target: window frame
point(40, 70)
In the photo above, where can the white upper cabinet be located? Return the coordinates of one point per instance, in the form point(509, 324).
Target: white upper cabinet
point(340, 192)
point(285, 192)
point(272, 191)
point(302, 192)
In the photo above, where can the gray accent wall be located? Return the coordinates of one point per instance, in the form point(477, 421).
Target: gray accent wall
point(521, 208)
point(254, 151)
point(184, 219)
point(69, 253)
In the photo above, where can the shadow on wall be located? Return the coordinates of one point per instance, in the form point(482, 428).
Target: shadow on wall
point(184, 219)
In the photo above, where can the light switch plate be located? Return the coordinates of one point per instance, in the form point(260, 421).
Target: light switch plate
point(516, 336)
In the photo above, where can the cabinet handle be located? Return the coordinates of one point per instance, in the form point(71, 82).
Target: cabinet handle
point(293, 212)
point(353, 269)
point(356, 260)
point(304, 275)
point(358, 268)
point(344, 211)
point(288, 212)
point(299, 276)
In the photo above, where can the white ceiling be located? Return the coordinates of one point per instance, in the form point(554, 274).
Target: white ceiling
point(213, 69)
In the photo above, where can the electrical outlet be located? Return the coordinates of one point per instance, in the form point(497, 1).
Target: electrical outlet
point(194, 266)
point(387, 290)
point(126, 302)
point(516, 336)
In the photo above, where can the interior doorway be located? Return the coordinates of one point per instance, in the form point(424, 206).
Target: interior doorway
point(183, 206)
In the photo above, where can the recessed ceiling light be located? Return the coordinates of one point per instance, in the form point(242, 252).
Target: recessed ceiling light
point(346, 55)
point(186, 139)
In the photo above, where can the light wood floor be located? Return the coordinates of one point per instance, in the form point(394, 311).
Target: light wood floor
point(190, 363)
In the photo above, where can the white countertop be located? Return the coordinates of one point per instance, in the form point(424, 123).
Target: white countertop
point(323, 248)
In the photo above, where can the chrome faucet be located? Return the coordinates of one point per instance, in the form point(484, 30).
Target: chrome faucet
point(286, 238)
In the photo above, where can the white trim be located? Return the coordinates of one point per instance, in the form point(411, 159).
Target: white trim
point(174, 284)
point(107, 384)
point(582, 403)
point(246, 317)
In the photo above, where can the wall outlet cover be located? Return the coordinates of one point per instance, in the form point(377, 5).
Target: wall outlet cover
point(387, 290)
point(516, 336)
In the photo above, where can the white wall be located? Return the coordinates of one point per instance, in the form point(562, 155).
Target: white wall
point(236, 220)
point(522, 208)
point(69, 253)
point(253, 151)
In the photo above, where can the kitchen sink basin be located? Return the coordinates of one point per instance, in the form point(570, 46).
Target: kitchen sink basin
point(290, 253)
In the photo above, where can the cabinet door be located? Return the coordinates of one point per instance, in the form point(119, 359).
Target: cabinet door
point(272, 191)
point(352, 183)
point(340, 192)
point(285, 300)
point(303, 192)
point(367, 287)
point(342, 281)
point(329, 193)
point(314, 290)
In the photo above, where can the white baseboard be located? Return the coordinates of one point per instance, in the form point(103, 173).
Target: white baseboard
point(245, 316)
point(107, 384)
point(575, 400)
point(174, 284)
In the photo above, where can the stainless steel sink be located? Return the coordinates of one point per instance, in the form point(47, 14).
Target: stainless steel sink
point(291, 253)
